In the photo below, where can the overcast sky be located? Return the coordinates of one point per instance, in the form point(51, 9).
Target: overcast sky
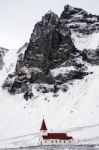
point(17, 17)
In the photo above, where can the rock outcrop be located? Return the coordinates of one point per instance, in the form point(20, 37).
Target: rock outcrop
point(78, 20)
point(51, 47)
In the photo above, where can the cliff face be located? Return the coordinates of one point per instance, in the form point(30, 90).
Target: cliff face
point(50, 43)
point(52, 46)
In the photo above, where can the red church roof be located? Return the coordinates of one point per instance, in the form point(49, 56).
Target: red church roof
point(60, 136)
point(43, 126)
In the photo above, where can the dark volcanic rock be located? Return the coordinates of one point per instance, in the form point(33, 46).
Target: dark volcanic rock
point(28, 93)
point(79, 20)
point(91, 56)
point(9, 82)
point(50, 44)
point(50, 47)
point(72, 75)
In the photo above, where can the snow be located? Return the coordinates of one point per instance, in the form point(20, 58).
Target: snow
point(86, 41)
point(61, 70)
point(10, 60)
point(78, 107)
point(75, 111)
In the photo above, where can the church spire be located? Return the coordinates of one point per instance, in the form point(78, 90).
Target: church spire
point(43, 126)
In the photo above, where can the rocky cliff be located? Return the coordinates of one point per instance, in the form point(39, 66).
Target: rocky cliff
point(52, 46)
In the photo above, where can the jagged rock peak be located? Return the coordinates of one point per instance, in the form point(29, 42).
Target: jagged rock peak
point(50, 13)
point(78, 20)
point(50, 42)
point(70, 11)
point(68, 7)
point(50, 17)
point(43, 27)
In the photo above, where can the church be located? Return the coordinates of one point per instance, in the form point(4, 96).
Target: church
point(53, 138)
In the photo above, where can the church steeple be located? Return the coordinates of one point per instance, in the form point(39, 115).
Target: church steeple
point(43, 126)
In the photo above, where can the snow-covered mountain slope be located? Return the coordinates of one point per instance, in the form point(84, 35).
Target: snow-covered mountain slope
point(72, 106)
point(78, 107)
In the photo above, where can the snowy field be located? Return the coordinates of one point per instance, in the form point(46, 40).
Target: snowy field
point(79, 147)
point(75, 112)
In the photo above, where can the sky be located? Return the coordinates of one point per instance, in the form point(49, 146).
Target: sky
point(18, 17)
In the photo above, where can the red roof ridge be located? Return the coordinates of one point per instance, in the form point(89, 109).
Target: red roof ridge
point(61, 136)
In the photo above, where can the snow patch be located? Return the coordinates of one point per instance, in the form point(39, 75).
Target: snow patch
point(61, 70)
point(86, 41)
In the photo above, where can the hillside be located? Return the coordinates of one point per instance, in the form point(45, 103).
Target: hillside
point(55, 76)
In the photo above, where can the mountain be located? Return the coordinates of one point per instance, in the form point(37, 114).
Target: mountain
point(55, 76)
point(50, 47)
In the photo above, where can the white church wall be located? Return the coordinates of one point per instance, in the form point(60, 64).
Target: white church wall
point(55, 142)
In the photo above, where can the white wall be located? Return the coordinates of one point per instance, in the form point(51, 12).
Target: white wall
point(56, 142)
